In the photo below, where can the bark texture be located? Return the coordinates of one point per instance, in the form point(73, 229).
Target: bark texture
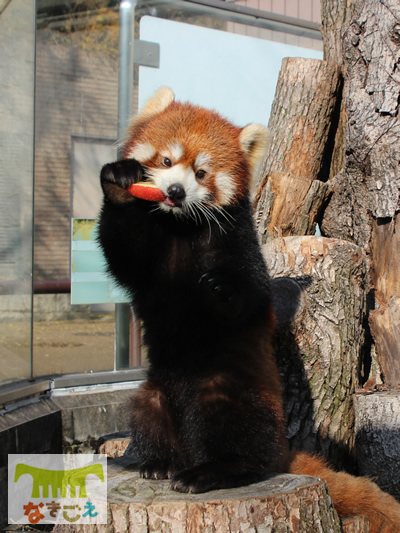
point(355, 524)
point(362, 38)
point(291, 205)
point(368, 187)
point(364, 204)
point(318, 353)
point(335, 15)
point(378, 438)
point(283, 503)
point(300, 126)
point(385, 328)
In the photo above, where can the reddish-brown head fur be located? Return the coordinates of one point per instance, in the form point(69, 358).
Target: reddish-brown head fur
point(179, 143)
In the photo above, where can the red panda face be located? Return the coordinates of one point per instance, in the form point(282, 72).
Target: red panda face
point(197, 158)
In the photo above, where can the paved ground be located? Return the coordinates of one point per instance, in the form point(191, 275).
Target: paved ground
point(58, 347)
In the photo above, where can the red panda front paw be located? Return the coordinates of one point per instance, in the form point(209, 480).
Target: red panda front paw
point(228, 302)
point(116, 177)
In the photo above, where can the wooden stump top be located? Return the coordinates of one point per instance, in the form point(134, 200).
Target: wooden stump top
point(282, 503)
point(296, 503)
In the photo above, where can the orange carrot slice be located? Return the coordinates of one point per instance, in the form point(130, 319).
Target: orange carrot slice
point(146, 191)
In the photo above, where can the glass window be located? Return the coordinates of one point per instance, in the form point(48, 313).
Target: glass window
point(17, 68)
point(76, 129)
point(68, 86)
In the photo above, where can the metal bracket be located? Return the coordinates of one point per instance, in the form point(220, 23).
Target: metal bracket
point(146, 54)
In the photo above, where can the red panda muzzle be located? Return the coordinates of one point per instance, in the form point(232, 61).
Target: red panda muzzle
point(175, 195)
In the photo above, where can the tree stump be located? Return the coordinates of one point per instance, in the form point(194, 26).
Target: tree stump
point(378, 438)
point(319, 353)
point(296, 504)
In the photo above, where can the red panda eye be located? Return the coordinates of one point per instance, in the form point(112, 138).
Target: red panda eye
point(200, 174)
point(167, 162)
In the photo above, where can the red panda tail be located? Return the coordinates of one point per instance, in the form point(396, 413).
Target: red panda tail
point(352, 495)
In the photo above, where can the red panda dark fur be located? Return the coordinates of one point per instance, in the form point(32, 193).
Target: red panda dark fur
point(210, 413)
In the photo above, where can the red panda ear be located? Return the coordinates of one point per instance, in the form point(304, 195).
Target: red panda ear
point(157, 103)
point(254, 141)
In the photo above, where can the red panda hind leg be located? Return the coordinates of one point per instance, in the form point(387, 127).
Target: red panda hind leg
point(153, 438)
point(352, 495)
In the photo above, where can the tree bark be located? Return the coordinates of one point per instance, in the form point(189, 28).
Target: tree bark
point(365, 200)
point(291, 205)
point(355, 524)
point(371, 176)
point(378, 438)
point(385, 327)
point(298, 504)
point(319, 352)
point(300, 125)
point(335, 15)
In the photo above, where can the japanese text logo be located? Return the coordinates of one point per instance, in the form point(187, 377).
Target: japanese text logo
point(57, 489)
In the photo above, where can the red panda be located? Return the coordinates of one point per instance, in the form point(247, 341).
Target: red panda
point(210, 414)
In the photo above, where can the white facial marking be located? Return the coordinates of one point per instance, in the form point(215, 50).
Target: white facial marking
point(142, 152)
point(176, 150)
point(201, 160)
point(184, 176)
point(226, 187)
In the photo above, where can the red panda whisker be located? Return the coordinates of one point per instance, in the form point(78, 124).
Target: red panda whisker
point(192, 213)
point(222, 212)
point(210, 215)
point(227, 216)
point(207, 215)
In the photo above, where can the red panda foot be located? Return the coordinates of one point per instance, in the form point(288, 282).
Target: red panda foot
point(212, 476)
point(193, 480)
point(155, 470)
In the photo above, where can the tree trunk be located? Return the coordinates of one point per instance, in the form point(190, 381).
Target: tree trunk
point(283, 503)
point(300, 125)
point(318, 354)
point(378, 438)
point(335, 15)
point(365, 200)
point(362, 38)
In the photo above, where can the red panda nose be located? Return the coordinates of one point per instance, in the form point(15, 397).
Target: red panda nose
point(176, 192)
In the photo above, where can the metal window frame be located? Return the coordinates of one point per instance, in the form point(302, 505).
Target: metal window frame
point(248, 16)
